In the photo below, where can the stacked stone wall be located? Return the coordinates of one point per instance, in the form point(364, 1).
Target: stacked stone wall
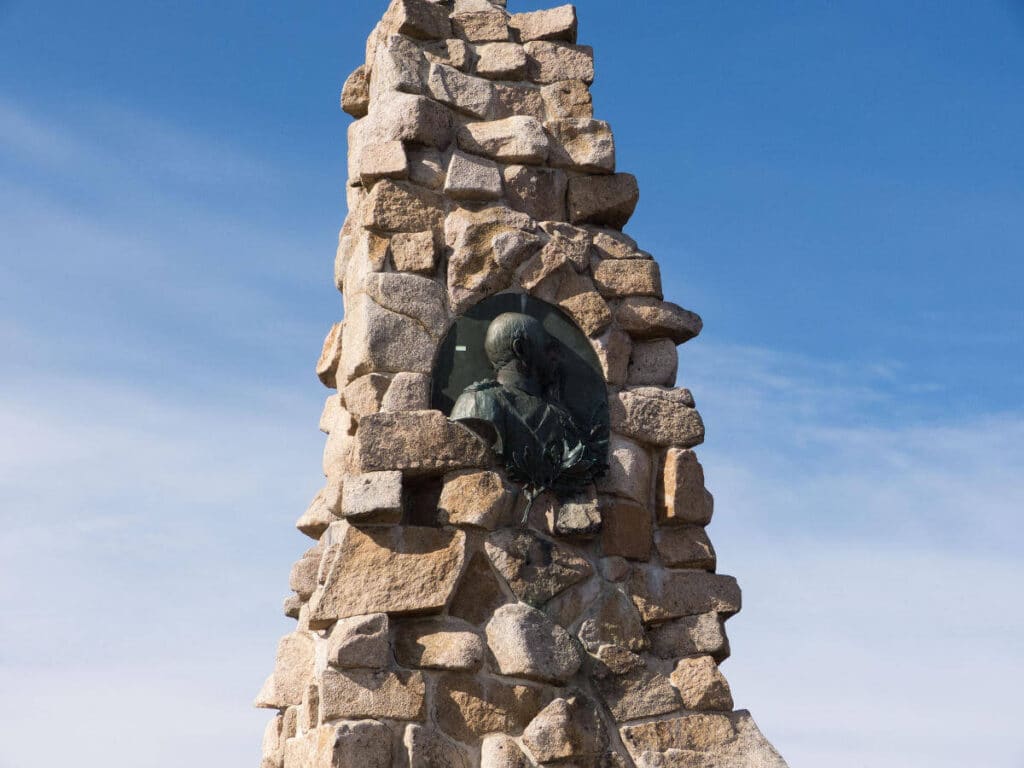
point(432, 628)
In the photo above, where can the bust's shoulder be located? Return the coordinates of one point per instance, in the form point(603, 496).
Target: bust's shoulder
point(478, 401)
point(482, 386)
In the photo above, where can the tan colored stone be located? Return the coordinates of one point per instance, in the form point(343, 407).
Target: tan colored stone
point(653, 363)
point(518, 99)
point(383, 161)
point(408, 392)
point(682, 497)
point(333, 405)
point(316, 518)
point(501, 61)
point(566, 608)
point(542, 275)
point(398, 65)
point(302, 579)
point(534, 568)
point(360, 744)
point(661, 417)
point(564, 729)
point(568, 99)
point(401, 207)
point(467, 708)
point(701, 741)
point(355, 95)
point(630, 687)
point(418, 19)
point(292, 606)
point(574, 242)
point(374, 498)
point(512, 140)
point(414, 252)
point(629, 470)
point(472, 178)
point(309, 711)
point(479, 594)
point(613, 348)
point(273, 744)
point(553, 24)
point(429, 748)
point(369, 693)
point(338, 451)
point(615, 569)
point(472, 95)
point(552, 62)
point(417, 442)
point(293, 670)
point(387, 570)
point(327, 365)
point(382, 341)
point(363, 395)
point(500, 751)
point(438, 644)
point(613, 620)
point(527, 644)
point(649, 318)
point(690, 635)
point(627, 529)
point(582, 145)
point(453, 52)
point(660, 594)
point(479, 21)
point(426, 168)
point(609, 199)
point(612, 244)
point(685, 547)
point(619, 278)
point(409, 118)
point(537, 192)
point(418, 298)
point(702, 685)
point(359, 642)
point(585, 307)
point(369, 254)
point(475, 499)
point(578, 516)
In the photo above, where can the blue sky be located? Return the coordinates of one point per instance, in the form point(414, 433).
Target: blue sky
point(837, 187)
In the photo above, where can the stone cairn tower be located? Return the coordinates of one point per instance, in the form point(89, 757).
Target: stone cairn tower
point(435, 626)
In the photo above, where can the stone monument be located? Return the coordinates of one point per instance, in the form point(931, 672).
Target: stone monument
point(509, 564)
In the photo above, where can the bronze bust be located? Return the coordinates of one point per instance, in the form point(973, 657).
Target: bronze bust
point(519, 412)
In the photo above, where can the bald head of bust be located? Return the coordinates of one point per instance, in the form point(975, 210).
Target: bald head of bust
point(519, 340)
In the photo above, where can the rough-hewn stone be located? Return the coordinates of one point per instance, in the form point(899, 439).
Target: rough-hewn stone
point(619, 278)
point(702, 685)
point(582, 145)
point(527, 644)
point(472, 95)
point(685, 547)
point(501, 61)
point(682, 497)
point(363, 395)
point(551, 62)
point(629, 470)
point(293, 670)
point(387, 570)
point(690, 635)
point(475, 499)
point(419, 19)
point(383, 161)
point(613, 348)
point(701, 741)
point(568, 99)
point(472, 178)
point(627, 529)
point(656, 416)
point(512, 140)
point(379, 341)
point(535, 569)
point(479, 21)
point(317, 517)
point(408, 392)
point(410, 118)
point(302, 579)
point(500, 751)
point(537, 192)
point(400, 207)
point(369, 693)
point(327, 365)
point(373, 498)
point(355, 95)
point(438, 644)
point(453, 52)
point(609, 200)
point(613, 620)
point(417, 442)
point(661, 594)
point(429, 748)
point(564, 729)
point(426, 167)
point(359, 642)
point(479, 594)
point(414, 252)
point(512, 99)
point(467, 708)
point(653, 363)
point(649, 318)
point(631, 688)
point(553, 24)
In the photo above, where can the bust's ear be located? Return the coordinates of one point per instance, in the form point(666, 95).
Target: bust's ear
point(519, 347)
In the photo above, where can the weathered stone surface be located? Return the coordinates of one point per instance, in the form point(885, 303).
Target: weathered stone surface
point(566, 608)
point(383, 161)
point(426, 167)
point(527, 644)
point(410, 118)
point(472, 178)
point(631, 688)
point(355, 95)
point(479, 594)
point(585, 306)
point(582, 145)
point(615, 568)
point(552, 62)
point(327, 365)
point(656, 416)
point(302, 579)
point(453, 52)
point(648, 318)
point(333, 405)
point(398, 65)
point(438, 644)
point(467, 708)
point(568, 99)
point(400, 207)
point(293, 670)
point(379, 340)
point(702, 685)
point(682, 497)
point(387, 570)
point(629, 470)
point(511, 99)
point(690, 635)
point(368, 693)
point(368, 254)
point(479, 21)
point(685, 547)
point(512, 140)
point(408, 392)
point(472, 95)
point(537, 192)
point(534, 568)
point(373, 498)
point(542, 275)
point(363, 395)
point(317, 517)
point(609, 200)
point(292, 606)
point(660, 594)
point(414, 252)
point(475, 499)
point(566, 728)
point(419, 19)
point(653, 363)
point(612, 244)
point(429, 748)
point(361, 744)
point(613, 620)
point(578, 516)
point(701, 741)
point(501, 61)
point(273, 744)
point(613, 348)
point(553, 24)
point(417, 442)
point(619, 278)
point(500, 751)
point(627, 529)
point(359, 642)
